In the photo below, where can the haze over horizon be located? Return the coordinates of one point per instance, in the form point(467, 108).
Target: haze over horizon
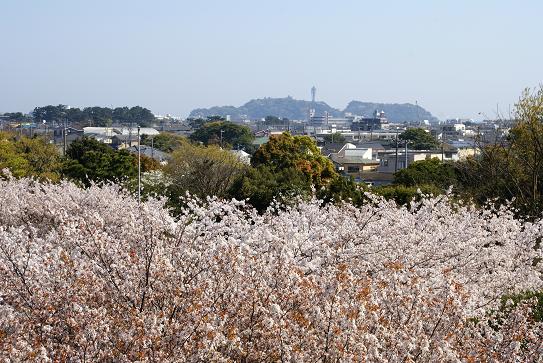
point(456, 59)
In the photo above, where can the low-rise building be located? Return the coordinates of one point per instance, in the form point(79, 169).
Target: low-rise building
point(390, 162)
point(352, 160)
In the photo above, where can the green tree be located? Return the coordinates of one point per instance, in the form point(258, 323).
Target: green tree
point(75, 115)
point(403, 195)
point(276, 121)
point(343, 189)
point(140, 116)
point(166, 142)
point(227, 133)
point(513, 170)
point(300, 152)
point(420, 139)
point(335, 137)
point(215, 118)
point(427, 172)
point(90, 160)
point(262, 185)
point(17, 116)
point(489, 175)
point(201, 171)
point(196, 123)
point(27, 157)
point(272, 120)
point(121, 114)
point(99, 116)
point(49, 113)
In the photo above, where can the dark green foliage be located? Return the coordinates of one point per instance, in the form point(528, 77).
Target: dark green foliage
point(394, 112)
point(98, 116)
point(288, 166)
point(95, 116)
point(196, 123)
point(215, 118)
point(17, 116)
point(165, 141)
point(404, 195)
point(300, 152)
point(261, 185)
point(233, 135)
point(285, 167)
point(343, 189)
point(276, 121)
point(286, 107)
point(427, 172)
point(138, 115)
point(335, 137)
point(509, 302)
point(488, 176)
point(293, 109)
point(49, 113)
point(90, 160)
point(419, 139)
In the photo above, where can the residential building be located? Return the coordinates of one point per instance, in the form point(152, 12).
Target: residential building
point(352, 161)
point(388, 164)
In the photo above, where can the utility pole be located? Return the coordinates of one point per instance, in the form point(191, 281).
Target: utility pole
point(130, 134)
point(139, 167)
point(405, 154)
point(222, 131)
point(359, 137)
point(396, 159)
point(64, 137)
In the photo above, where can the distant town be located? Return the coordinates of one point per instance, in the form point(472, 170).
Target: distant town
point(366, 147)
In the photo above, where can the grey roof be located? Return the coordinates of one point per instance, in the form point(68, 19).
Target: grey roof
point(150, 152)
point(376, 145)
point(329, 148)
point(122, 137)
point(462, 144)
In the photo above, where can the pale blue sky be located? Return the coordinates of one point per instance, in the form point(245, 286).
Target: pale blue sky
point(456, 58)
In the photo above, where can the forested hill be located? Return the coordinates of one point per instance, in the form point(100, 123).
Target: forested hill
point(297, 110)
point(280, 107)
point(395, 112)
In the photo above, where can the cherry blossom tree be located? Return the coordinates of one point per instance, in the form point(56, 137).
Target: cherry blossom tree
point(88, 275)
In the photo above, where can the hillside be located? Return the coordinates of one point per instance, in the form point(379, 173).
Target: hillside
point(259, 108)
point(395, 112)
point(297, 110)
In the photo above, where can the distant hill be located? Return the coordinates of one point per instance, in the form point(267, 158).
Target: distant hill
point(297, 110)
point(395, 112)
point(255, 109)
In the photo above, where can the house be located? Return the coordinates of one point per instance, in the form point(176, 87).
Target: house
point(242, 156)
point(118, 137)
point(389, 164)
point(121, 141)
point(465, 148)
point(352, 160)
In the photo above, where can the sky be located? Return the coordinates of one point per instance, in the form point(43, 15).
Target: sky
point(456, 58)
